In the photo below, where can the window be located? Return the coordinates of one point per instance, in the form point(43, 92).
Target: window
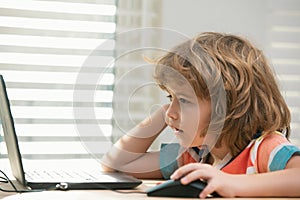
point(46, 46)
point(135, 93)
point(283, 33)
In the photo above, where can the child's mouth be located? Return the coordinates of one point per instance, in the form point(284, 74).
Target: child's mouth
point(177, 131)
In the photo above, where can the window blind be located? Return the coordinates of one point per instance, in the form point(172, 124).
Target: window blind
point(43, 48)
point(283, 35)
point(135, 94)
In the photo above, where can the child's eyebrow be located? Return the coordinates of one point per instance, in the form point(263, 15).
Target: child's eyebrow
point(187, 96)
point(180, 92)
point(183, 94)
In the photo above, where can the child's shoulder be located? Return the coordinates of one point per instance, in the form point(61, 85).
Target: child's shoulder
point(267, 142)
point(270, 142)
point(272, 148)
point(273, 139)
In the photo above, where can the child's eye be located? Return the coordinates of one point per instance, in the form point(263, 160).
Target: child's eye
point(182, 100)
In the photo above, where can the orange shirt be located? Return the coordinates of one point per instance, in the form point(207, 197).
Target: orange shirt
point(269, 152)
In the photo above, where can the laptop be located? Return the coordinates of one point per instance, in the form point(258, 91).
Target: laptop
point(43, 179)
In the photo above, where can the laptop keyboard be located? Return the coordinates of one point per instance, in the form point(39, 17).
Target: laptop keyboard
point(63, 175)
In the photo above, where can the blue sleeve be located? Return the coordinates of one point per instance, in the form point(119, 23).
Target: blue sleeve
point(282, 156)
point(168, 159)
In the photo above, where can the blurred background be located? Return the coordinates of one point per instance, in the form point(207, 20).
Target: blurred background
point(76, 72)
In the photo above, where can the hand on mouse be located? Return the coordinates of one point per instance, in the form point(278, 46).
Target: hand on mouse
point(217, 181)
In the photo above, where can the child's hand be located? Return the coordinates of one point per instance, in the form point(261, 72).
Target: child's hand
point(217, 181)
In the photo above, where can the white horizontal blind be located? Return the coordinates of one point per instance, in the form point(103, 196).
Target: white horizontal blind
point(134, 97)
point(43, 47)
point(284, 46)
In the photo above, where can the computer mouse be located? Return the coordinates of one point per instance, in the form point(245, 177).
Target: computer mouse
point(174, 188)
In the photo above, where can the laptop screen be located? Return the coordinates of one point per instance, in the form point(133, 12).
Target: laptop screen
point(10, 137)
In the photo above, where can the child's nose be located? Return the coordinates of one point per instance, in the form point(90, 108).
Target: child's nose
point(173, 110)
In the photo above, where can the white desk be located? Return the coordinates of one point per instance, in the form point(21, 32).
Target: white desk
point(87, 194)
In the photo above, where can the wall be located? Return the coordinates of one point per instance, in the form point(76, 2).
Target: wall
point(235, 16)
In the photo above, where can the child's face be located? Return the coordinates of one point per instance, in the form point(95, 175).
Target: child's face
point(187, 115)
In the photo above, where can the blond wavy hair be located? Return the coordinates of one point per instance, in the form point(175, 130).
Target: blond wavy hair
point(253, 99)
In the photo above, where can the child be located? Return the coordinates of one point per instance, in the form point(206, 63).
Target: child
point(229, 117)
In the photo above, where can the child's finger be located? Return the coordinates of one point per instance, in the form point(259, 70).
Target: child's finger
point(187, 169)
point(183, 170)
point(209, 189)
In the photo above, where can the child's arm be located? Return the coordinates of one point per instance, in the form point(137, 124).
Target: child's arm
point(278, 183)
point(129, 154)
